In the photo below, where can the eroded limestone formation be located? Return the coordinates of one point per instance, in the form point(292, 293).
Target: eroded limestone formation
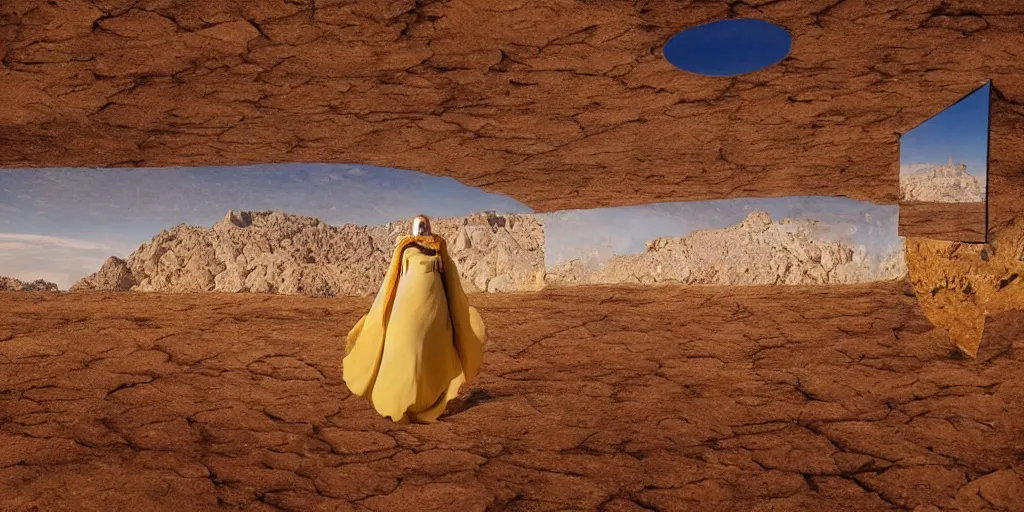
point(274, 252)
point(114, 276)
point(946, 183)
point(10, 284)
point(756, 251)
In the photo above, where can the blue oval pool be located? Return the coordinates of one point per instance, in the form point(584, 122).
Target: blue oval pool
point(728, 47)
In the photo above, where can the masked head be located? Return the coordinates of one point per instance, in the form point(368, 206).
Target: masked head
point(421, 226)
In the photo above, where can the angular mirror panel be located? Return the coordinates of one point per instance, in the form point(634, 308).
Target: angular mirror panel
point(944, 173)
point(790, 240)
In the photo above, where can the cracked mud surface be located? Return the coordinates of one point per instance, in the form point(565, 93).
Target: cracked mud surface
point(956, 222)
point(596, 398)
point(501, 95)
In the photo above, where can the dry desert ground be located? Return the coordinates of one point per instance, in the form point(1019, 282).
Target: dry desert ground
point(591, 398)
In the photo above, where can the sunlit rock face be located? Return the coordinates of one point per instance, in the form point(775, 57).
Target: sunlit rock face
point(757, 251)
point(114, 276)
point(10, 284)
point(275, 252)
point(946, 183)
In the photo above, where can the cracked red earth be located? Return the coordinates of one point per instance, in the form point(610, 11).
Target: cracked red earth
point(503, 95)
point(596, 398)
point(591, 398)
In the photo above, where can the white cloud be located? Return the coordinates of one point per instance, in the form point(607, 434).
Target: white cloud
point(61, 260)
point(70, 243)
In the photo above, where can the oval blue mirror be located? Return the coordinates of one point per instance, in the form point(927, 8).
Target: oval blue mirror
point(728, 47)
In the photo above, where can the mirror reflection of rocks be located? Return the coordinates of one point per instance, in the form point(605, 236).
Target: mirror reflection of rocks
point(757, 251)
point(948, 183)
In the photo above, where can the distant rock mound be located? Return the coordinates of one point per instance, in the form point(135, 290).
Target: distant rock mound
point(940, 184)
point(10, 284)
point(275, 252)
point(114, 275)
point(757, 251)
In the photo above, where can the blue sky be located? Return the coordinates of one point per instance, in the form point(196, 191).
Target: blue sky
point(728, 47)
point(960, 132)
point(61, 224)
point(135, 202)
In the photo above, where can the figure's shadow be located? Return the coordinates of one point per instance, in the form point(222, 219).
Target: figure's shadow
point(472, 399)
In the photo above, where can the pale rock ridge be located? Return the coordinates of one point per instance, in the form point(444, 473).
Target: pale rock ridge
point(947, 183)
point(114, 275)
point(757, 251)
point(275, 252)
point(10, 284)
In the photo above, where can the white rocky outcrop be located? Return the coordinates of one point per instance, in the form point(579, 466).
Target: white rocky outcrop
point(10, 284)
point(274, 252)
point(947, 183)
point(757, 251)
point(113, 276)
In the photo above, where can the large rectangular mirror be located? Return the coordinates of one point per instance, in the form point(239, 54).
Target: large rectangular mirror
point(943, 173)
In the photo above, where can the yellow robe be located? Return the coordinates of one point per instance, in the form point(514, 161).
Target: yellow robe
point(420, 341)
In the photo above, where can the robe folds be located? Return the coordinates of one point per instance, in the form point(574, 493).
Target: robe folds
point(420, 341)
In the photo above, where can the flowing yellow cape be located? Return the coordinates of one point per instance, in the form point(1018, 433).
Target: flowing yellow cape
point(365, 343)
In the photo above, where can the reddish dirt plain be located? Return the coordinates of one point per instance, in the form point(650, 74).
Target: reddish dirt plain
point(595, 398)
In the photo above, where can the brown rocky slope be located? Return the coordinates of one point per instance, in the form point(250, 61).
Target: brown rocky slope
point(275, 252)
point(960, 285)
point(757, 251)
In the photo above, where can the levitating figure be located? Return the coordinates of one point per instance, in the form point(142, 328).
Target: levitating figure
point(421, 339)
